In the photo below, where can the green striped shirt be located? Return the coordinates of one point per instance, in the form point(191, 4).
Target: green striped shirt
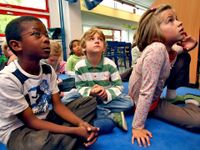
point(105, 74)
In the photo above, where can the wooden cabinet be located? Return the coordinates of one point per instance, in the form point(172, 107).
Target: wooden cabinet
point(188, 11)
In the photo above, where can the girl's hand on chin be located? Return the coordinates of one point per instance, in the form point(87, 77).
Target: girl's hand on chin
point(188, 43)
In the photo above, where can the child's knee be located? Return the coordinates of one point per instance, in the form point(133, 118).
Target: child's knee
point(90, 100)
point(196, 124)
point(38, 140)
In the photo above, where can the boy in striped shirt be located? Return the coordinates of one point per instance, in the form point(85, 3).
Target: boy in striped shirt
point(98, 76)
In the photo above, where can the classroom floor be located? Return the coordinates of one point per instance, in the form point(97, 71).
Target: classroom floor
point(165, 136)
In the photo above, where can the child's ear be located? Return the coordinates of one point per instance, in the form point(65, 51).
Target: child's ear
point(16, 45)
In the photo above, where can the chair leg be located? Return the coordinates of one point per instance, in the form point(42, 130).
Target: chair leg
point(125, 62)
point(116, 62)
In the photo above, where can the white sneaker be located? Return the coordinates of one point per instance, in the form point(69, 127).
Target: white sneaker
point(192, 101)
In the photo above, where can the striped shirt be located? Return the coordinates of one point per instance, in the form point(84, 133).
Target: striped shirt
point(104, 74)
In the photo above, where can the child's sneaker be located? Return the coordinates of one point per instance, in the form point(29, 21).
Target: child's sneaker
point(192, 96)
point(192, 101)
point(177, 99)
point(120, 120)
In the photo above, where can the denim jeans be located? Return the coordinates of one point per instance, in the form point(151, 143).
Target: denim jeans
point(71, 95)
point(122, 102)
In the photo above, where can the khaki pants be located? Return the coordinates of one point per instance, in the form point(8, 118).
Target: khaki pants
point(187, 116)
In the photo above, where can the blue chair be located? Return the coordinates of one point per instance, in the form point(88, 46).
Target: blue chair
point(128, 53)
point(115, 51)
point(111, 51)
point(121, 52)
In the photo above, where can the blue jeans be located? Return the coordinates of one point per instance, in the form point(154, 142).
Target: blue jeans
point(122, 102)
point(71, 95)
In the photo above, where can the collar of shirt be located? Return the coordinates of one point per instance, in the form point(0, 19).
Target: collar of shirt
point(99, 66)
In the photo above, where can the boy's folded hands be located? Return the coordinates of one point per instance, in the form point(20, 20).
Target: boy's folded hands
point(89, 132)
point(99, 91)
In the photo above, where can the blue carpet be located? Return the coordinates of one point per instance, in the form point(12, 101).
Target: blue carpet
point(2, 147)
point(165, 136)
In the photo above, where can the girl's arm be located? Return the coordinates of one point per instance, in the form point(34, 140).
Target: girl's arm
point(151, 68)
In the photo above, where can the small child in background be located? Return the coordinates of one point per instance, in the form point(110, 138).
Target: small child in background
point(55, 59)
point(98, 76)
point(3, 59)
point(66, 86)
point(75, 55)
point(8, 53)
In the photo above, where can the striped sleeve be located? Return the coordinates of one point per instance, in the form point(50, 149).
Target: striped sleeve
point(80, 82)
point(116, 83)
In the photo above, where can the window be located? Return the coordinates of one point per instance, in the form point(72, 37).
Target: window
point(38, 5)
point(10, 9)
point(110, 34)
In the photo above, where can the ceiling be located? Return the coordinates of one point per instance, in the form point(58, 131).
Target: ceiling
point(142, 3)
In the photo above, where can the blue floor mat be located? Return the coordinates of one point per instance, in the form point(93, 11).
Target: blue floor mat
point(2, 147)
point(165, 136)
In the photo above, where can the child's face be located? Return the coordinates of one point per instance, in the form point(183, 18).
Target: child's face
point(95, 44)
point(171, 28)
point(76, 48)
point(35, 41)
point(53, 59)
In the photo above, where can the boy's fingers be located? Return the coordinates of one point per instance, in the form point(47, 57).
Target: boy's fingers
point(91, 136)
point(87, 144)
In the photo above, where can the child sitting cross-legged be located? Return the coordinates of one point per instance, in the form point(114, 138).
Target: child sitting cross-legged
point(98, 76)
point(32, 116)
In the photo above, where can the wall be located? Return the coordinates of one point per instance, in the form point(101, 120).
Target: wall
point(78, 18)
point(54, 14)
point(112, 12)
point(188, 11)
point(91, 19)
